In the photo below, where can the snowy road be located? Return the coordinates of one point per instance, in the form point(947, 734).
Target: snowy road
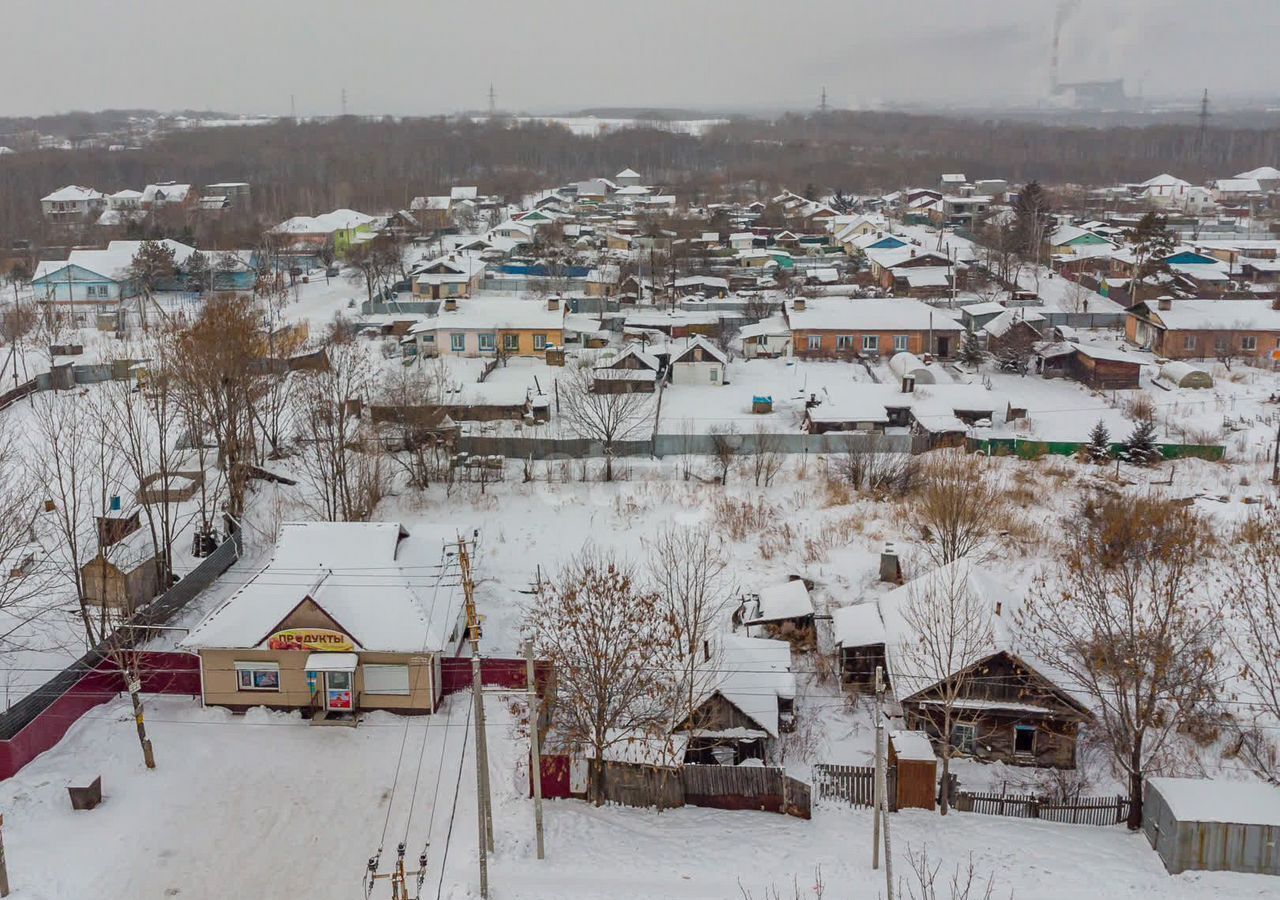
point(266, 806)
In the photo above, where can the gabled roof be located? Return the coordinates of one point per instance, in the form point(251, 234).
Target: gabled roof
point(696, 342)
point(73, 193)
point(413, 606)
point(752, 673)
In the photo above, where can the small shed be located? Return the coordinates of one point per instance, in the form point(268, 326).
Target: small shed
point(912, 752)
point(859, 634)
point(1185, 375)
point(1212, 824)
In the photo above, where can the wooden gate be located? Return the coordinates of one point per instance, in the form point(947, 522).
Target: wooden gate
point(854, 785)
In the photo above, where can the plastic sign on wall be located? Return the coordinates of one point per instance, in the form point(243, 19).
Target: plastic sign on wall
point(316, 640)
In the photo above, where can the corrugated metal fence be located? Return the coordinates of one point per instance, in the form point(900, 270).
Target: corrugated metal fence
point(688, 444)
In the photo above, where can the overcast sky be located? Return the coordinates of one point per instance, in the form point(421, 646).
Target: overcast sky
point(425, 56)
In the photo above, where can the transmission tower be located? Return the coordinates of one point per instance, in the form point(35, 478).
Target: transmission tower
point(822, 104)
point(493, 102)
point(1204, 123)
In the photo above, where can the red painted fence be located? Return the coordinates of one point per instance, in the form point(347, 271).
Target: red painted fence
point(163, 673)
point(455, 674)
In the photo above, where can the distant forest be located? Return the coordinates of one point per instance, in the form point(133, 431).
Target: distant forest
point(376, 165)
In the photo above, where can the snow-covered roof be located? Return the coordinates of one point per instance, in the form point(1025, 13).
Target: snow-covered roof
point(987, 593)
point(1164, 180)
point(73, 193)
point(699, 342)
point(328, 223)
point(987, 308)
point(1216, 315)
point(913, 746)
point(861, 314)
point(463, 192)
point(1262, 173)
point(703, 281)
point(631, 350)
point(491, 313)
point(1237, 186)
point(790, 600)
point(1219, 800)
point(168, 192)
point(386, 590)
point(998, 326)
point(752, 673)
point(627, 173)
point(113, 262)
point(930, 276)
point(851, 405)
point(858, 625)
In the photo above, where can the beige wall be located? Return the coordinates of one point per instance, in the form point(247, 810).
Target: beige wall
point(221, 686)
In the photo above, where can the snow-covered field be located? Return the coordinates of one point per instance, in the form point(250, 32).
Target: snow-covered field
point(267, 806)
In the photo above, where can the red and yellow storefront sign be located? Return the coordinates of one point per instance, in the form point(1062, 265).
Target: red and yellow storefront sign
point(315, 640)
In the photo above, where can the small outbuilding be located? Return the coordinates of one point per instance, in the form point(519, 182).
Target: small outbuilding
point(909, 365)
point(1211, 824)
point(1185, 375)
point(911, 753)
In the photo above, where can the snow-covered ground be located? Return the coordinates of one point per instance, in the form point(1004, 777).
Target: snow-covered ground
point(264, 805)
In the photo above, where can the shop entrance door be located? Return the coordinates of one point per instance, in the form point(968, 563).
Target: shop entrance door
point(338, 691)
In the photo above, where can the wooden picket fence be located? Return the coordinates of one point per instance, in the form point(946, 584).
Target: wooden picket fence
point(1070, 811)
point(854, 785)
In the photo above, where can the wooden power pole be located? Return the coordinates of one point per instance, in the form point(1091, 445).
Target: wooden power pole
point(876, 790)
point(4, 865)
point(535, 745)
point(484, 812)
point(882, 792)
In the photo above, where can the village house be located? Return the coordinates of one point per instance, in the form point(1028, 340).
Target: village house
point(747, 700)
point(99, 277)
point(490, 326)
point(451, 277)
point(72, 204)
point(912, 271)
point(765, 339)
point(848, 328)
point(697, 362)
point(1205, 329)
point(1101, 368)
point(309, 632)
point(631, 371)
point(1007, 710)
point(333, 231)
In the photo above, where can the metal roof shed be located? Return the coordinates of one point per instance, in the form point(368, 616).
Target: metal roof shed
point(1202, 823)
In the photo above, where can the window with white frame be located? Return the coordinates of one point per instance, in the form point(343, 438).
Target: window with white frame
point(457, 342)
point(539, 342)
point(844, 342)
point(486, 342)
point(964, 736)
point(257, 676)
point(386, 679)
point(900, 343)
point(1189, 342)
point(1249, 342)
point(871, 343)
point(814, 342)
point(511, 342)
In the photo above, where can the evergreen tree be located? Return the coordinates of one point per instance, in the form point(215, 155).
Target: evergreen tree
point(1098, 449)
point(1140, 447)
point(971, 352)
point(1031, 214)
point(1152, 242)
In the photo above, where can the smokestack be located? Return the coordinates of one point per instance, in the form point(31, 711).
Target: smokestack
point(890, 568)
point(908, 384)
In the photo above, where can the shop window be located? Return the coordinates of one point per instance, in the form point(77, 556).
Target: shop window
point(1024, 740)
point(963, 736)
point(388, 679)
point(257, 676)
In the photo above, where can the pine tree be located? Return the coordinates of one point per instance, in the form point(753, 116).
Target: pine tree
point(1098, 450)
point(1140, 447)
point(971, 352)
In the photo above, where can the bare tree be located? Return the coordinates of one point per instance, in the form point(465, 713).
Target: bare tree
point(870, 466)
point(1253, 593)
point(689, 571)
point(348, 478)
point(950, 632)
point(956, 507)
point(603, 417)
point(1129, 621)
point(25, 577)
point(766, 458)
point(603, 635)
point(725, 443)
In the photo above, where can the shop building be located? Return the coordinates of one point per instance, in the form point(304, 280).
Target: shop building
point(346, 617)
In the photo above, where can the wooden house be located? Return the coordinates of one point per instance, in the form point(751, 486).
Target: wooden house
point(1101, 368)
point(1205, 329)
point(1007, 710)
point(123, 574)
point(631, 371)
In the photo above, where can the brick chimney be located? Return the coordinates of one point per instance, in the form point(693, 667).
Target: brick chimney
point(798, 304)
point(1164, 303)
point(553, 302)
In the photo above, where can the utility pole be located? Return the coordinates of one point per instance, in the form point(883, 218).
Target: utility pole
point(293, 109)
point(493, 102)
point(535, 742)
point(4, 866)
point(1275, 456)
point(483, 811)
point(344, 102)
point(397, 876)
point(877, 791)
